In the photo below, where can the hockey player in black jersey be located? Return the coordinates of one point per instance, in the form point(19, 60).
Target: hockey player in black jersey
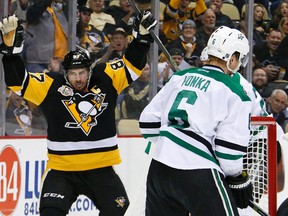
point(79, 109)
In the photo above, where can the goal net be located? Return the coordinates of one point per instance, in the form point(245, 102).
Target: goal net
point(260, 163)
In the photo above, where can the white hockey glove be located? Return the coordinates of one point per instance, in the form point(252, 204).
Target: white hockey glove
point(12, 36)
point(241, 188)
point(142, 24)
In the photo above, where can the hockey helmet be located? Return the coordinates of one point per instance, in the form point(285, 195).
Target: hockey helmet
point(204, 54)
point(76, 59)
point(224, 42)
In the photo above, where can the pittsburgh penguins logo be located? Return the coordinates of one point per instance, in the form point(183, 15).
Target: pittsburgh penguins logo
point(85, 110)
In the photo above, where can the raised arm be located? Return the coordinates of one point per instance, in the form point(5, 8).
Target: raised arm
point(12, 37)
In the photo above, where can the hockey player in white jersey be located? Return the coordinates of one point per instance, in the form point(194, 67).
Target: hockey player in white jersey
point(258, 108)
point(200, 123)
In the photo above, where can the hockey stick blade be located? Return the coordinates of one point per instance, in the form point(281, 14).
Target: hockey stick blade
point(157, 40)
point(256, 208)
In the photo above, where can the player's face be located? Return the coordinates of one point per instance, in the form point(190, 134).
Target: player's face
point(78, 78)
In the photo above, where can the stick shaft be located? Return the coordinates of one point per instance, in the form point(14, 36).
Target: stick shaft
point(157, 40)
point(256, 208)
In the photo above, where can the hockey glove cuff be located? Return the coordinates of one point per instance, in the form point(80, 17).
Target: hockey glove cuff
point(12, 36)
point(241, 188)
point(142, 24)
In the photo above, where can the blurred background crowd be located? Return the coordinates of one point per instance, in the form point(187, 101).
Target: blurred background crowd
point(104, 29)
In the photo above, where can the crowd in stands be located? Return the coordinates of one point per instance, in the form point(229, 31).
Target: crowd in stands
point(104, 29)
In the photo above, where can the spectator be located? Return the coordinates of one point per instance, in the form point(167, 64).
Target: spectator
point(89, 37)
point(165, 69)
point(260, 25)
point(208, 22)
point(277, 106)
point(188, 43)
point(117, 47)
point(282, 56)
point(176, 12)
point(274, 6)
point(98, 17)
point(122, 14)
point(46, 34)
point(136, 96)
point(281, 11)
point(221, 19)
point(283, 26)
point(265, 53)
point(19, 8)
point(240, 4)
point(260, 81)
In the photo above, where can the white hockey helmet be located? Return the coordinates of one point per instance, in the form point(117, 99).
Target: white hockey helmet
point(224, 42)
point(204, 54)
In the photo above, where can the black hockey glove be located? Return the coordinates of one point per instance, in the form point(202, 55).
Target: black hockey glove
point(142, 24)
point(241, 188)
point(12, 36)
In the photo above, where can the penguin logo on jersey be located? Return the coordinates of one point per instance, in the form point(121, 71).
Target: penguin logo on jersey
point(85, 110)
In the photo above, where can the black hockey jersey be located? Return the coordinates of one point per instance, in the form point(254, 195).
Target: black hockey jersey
point(81, 131)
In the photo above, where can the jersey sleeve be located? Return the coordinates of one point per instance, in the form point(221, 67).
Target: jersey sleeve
point(129, 68)
point(31, 86)
point(232, 138)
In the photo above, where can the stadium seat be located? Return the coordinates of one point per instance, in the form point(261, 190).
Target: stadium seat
point(231, 10)
point(114, 2)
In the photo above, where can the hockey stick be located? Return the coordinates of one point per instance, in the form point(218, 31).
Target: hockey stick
point(256, 208)
point(157, 40)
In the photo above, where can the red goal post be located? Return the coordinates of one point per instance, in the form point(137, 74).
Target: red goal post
point(262, 163)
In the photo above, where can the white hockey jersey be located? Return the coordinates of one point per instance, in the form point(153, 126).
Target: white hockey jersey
point(199, 120)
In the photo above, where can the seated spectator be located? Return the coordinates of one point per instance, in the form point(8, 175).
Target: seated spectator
point(136, 96)
point(98, 17)
point(116, 49)
point(240, 4)
point(265, 53)
point(19, 8)
point(165, 69)
point(122, 14)
point(208, 22)
point(274, 6)
point(221, 19)
point(89, 37)
point(277, 106)
point(281, 57)
point(283, 26)
point(176, 12)
point(280, 11)
point(260, 25)
point(188, 43)
point(260, 80)
point(46, 34)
